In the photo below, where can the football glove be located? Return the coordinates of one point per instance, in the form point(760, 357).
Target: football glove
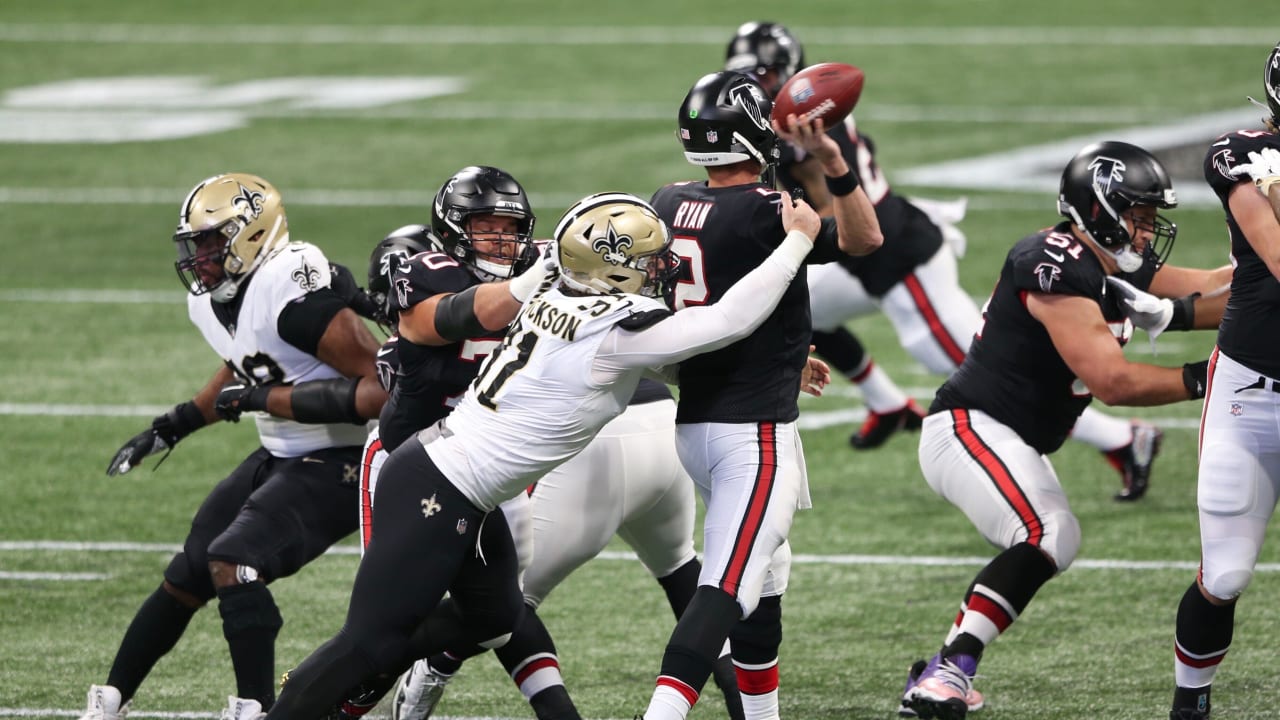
point(1263, 168)
point(237, 398)
point(1195, 378)
point(165, 432)
point(353, 296)
point(545, 269)
point(1154, 314)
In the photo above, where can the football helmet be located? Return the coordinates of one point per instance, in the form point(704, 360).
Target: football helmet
point(614, 242)
point(227, 226)
point(761, 48)
point(387, 257)
point(724, 119)
point(483, 190)
point(1271, 81)
point(1103, 181)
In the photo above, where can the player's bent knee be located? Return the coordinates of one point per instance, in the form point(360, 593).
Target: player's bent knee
point(189, 576)
point(1228, 584)
point(1062, 539)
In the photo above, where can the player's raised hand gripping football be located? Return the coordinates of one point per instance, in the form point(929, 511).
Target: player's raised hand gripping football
point(1263, 168)
point(809, 134)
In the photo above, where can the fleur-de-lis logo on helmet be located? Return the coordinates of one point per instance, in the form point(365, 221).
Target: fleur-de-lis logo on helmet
point(250, 201)
point(611, 245)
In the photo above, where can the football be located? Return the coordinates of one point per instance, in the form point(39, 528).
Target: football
point(826, 90)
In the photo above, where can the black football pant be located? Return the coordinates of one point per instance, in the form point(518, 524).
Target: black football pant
point(429, 539)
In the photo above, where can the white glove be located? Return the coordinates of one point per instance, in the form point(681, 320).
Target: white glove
point(1145, 310)
point(544, 268)
point(1263, 167)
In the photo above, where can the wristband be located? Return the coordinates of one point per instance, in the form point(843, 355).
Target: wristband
point(1184, 313)
point(843, 185)
point(184, 419)
point(1194, 378)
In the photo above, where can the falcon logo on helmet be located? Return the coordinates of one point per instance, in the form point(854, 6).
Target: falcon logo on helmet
point(387, 257)
point(1106, 171)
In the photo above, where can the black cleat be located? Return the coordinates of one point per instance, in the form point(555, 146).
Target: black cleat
point(1134, 461)
point(877, 428)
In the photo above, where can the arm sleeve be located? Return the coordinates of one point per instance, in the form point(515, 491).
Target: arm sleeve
point(709, 327)
point(302, 322)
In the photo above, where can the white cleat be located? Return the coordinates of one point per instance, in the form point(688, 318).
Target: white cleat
point(417, 693)
point(104, 704)
point(242, 709)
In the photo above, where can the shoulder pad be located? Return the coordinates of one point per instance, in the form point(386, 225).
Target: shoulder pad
point(1231, 150)
point(1057, 263)
point(426, 275)
point(643, 319)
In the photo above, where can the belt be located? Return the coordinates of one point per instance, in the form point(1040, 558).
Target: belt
point(1262, 383)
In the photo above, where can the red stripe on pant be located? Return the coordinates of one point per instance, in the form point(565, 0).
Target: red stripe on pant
point(690, 695)
point(366, 499)
point(931, 318)
point(749, 528)
point(1208, 391)
point(999, 474)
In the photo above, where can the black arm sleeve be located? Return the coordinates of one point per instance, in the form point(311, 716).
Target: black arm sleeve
point(302, 322)
point(326, 401)
point(456, 316)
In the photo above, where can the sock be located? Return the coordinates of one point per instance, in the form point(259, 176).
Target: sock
point(250, 623)
point(449, 662)
point(154, 631)
point(680, 585)
point(1000, 592)
point(691, 652)
point(879, 391)
point(755, 656)
point(1201, 640)
point(554, 703)
point(955, 624)
point(1102, 431)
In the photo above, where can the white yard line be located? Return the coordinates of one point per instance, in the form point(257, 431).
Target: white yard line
point(61, 546)
point(431, 35)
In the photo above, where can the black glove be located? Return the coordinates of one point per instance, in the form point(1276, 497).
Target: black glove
point(165, 432)
point(238, 398)
point(1195, 376)
point(343, 282)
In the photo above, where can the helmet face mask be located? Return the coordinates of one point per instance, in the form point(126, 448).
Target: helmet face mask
point(724, 119)
point(482, 194)
point(228, 225)
point(611, 243)
point(767, 51)
point(388, 256)
point(1100, 187)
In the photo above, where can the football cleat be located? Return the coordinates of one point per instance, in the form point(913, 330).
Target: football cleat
point(942, 690)
point(242, 709)
point(879, 426)
point(417, 692)
point(1187, 714)
point(973, 699)
point(1134, 461)
point(104, 704)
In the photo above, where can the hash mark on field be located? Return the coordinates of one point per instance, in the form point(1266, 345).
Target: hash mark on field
point(800, 559)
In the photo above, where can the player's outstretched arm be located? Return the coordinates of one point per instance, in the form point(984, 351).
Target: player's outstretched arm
point(859, 230)
point(167, 429)
point(1081, 336)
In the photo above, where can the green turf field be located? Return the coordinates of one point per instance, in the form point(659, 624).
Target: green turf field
point(110, 112)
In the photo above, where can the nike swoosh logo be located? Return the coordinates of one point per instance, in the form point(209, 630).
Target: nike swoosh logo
point(1056, 256)
point(385, 351)
point(1225, 141)
point(311, 459)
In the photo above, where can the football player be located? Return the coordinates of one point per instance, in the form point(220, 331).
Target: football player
point(735, 423)
point(1050, 342)
point(569, 364)
point(913, 280)
point(289, 346)
point(1239, 476)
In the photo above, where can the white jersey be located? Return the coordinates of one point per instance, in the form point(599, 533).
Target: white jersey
point(252, 346)
point(567, 367)
point(536, 403)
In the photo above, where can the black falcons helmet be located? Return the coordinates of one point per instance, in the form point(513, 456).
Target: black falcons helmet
point(763, 46)
point(1271, 79)
point(1105, 179)
point(483, 190)
point(387, 257)
point(725, 119)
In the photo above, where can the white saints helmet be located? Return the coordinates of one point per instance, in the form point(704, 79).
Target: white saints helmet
point(227, 226)
point(615, 243)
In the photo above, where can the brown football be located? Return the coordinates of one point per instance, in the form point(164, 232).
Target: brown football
point(826, 90)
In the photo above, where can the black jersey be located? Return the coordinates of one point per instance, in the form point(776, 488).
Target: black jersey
point(1012, 371)
point(910, 238)
point(1251, 322)
point(428, 380)
point(721, 234)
